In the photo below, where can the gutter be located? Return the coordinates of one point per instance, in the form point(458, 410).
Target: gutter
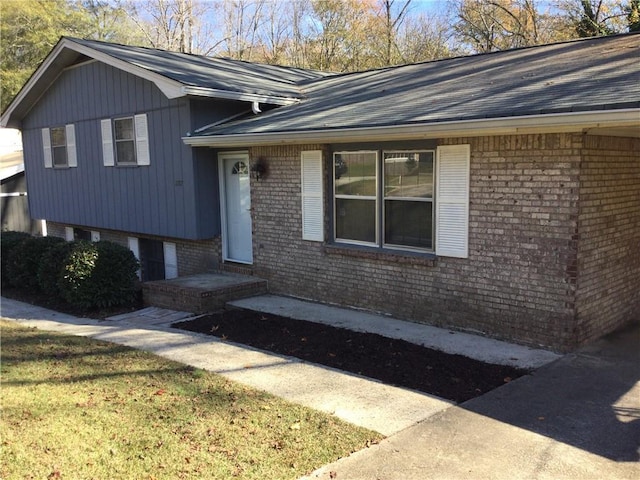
point(557, 123)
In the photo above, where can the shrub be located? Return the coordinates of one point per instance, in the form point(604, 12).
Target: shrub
point(51, 268)
point(25, 259)
point(101, 274)
point(8, 241)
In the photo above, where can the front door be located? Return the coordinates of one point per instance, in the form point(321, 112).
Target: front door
point(236, 208)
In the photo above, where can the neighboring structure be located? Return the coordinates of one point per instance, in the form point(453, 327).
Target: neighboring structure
point(497, 193)
point(14, 207)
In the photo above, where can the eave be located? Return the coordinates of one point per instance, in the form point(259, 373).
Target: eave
point(557, 123)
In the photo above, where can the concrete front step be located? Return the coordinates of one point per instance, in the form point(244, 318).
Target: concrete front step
point(201, 293)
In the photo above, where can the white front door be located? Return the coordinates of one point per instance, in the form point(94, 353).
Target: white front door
point(236, 208)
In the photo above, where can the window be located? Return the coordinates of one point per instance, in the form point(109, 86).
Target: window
point(389, 204)
point(59, 147)
point(356, 200)
point(125, 141)
point(408, 199)
point(398, 199)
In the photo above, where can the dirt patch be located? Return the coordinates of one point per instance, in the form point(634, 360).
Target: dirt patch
point(394, 362)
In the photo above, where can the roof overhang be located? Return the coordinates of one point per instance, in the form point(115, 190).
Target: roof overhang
point(66, 53)
point(627, 120)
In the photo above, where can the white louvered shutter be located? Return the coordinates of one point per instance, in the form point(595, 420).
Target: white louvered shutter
point(170, 260)
point(68, 234)
point(134, 246)
point(46, 147)
point(142, 140)
point(452, 201)
point(72, 158)
point(312, 198)
point(108, 159)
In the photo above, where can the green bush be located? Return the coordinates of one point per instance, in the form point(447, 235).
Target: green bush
point(25, 259)
point(52, 267)
point(8, 241)
point(101, 274)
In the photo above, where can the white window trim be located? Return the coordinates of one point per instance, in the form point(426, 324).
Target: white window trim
point(170, 260)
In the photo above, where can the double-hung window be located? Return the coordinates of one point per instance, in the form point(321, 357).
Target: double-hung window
point(384, 198)
point(412, 200)
point(59, 146)
point(125, 141)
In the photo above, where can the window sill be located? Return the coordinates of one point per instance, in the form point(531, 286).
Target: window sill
point(384, 254)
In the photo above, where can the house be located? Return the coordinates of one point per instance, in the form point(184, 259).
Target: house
point(497, 193)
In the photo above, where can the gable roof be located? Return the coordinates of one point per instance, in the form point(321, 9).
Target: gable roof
point(175, 74)
point(589, 82)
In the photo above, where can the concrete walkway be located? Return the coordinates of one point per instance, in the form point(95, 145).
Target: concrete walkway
point(359, 400)
point(575, 418)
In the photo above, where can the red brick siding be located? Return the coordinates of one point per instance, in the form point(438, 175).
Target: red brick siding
point(193, 256)
point(518, 282)
point(609, 233)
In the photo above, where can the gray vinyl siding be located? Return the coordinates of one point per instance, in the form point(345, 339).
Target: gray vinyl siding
point(176, 196)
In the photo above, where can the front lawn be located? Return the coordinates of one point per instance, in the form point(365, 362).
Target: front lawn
point(74, 407)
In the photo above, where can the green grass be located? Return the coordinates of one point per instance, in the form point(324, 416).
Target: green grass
point(73, 407)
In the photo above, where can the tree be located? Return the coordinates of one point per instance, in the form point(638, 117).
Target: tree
point(29, 30)
point(489, 25)
point(633, 15)
point(176, 25)
point(589, 18)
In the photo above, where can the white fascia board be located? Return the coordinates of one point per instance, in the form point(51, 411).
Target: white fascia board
point(244, 97)
point(556, 123)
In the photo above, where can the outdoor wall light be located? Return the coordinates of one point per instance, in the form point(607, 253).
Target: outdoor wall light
point(259, 169)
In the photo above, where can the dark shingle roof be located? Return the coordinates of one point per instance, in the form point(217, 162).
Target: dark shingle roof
point(585, 75)
point(206, 72)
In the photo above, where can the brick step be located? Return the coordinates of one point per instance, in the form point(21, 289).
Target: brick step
point(201, 293)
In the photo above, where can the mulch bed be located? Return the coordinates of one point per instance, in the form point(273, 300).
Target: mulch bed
point(394, 362)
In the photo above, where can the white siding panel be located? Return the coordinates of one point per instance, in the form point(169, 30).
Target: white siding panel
point(312, 196)
point(108, 158)
point(142, 140)
point(170, 260)
point(452, 201)
point(46, 147)
point(134, 246)
point(72, 159)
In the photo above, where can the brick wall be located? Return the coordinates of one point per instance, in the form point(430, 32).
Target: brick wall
point(519, 281)
point(193, 256)
point(609, 234)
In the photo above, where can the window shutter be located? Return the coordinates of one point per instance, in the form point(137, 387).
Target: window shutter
point(72, 159)
point(95, 236)
point(142, 140)
point(107, 143)
point(452, 201)
point(170, 260)
point(312, 199)
point(46, 146)
point(134, 246)
point(68, 234)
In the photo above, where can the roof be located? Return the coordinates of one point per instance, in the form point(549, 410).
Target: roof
point(575, 81)
point(11, 164)
point(176, 74)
